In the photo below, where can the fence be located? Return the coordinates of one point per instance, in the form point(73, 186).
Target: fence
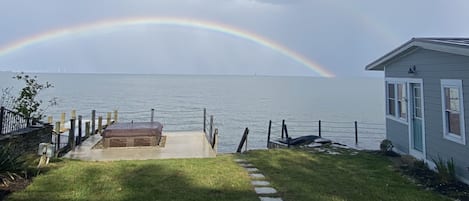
point(343, 132)
point(11, 121)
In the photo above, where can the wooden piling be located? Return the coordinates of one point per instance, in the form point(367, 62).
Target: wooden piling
point(79, 129)
point(100, 124)
point(286, 135)
point(93, 121)
point(214, 138)
point(356, 133)
point(49, 120)
point(211, 127)
point(283, 125)
point(152, 118)
point(62, 120)
point(205, 120)
point(319, 128)
point(115, 116)
point(74, 114)
point(71, 135)
point(87, 129)
point(108, 119)
point(215, 141)
point(57, 141)
point(268, 133)
point(243, 139)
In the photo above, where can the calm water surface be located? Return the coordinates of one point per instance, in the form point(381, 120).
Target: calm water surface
point(236, 102)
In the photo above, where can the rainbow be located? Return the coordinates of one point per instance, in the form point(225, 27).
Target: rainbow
point(184, 22)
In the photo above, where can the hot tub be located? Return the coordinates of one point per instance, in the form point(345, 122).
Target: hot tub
point(132, 134)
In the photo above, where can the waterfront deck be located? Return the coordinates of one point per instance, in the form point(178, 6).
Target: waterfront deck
point(191, 144)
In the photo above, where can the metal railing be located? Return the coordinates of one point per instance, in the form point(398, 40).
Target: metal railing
point(11, 121)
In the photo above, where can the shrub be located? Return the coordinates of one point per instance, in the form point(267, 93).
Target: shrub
point(386, 147)
point(10, 164)
point(446, 170)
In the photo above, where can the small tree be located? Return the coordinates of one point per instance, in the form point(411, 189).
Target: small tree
point(27, 102)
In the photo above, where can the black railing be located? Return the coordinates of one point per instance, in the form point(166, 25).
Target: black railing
point(11, 121)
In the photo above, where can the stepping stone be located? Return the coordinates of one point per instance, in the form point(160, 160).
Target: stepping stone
point(257, 176)
point(265, 190)
point(246, 165)
point(260, 183)
point(253, 169)
point(270, 199)
point(240, 160)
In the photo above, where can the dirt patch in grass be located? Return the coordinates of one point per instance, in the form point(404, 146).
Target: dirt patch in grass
point(9, 185)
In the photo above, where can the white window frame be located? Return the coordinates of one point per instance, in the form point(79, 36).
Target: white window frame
point(396, 116)
point(461, 139)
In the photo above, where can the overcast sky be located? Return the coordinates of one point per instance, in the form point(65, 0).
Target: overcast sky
point(339, 35)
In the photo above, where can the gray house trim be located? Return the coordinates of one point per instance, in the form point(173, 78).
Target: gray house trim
point(437, 44)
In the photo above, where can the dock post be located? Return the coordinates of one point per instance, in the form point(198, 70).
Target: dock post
point(211, 127)
point(57, 141)
point(108, 119)
point(215, 133)
point(79, 129)
point(62, 120)
point(215, 141)
point(283, 125)
point(100, 124)
point(356, 133)
point(71, 135)
point(286, 135)
point(87, 129)
point(268, 133)
point(74, 114)
point(115, 116)
point(49, 120)
point(205, 120)
point(319, 128)
point(241, 143)
point(152, 118)
point(93, 121)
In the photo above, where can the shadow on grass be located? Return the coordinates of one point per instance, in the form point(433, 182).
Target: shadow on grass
point(142, 180)
point(300, 175)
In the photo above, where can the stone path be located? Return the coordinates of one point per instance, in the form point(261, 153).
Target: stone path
point(262, 187)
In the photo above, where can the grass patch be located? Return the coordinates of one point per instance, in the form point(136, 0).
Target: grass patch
point(301, 175)
point(183, 179)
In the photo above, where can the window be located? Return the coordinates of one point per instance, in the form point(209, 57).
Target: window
point(396, 96)
point(453, 110)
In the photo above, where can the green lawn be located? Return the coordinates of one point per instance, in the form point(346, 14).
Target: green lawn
point(184, 179)
point(301, 175)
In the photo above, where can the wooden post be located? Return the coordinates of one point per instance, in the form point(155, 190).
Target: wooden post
point(57, 141)
point(74, 114)
point(211, 127)
point(79, 128)
point(62, 120)
point(100, 124)
point(214, 137)
point(286, 135)
point(268, 133)
point(152, 118)
point(283, 125)
point(115, 116)
point(356, 133)
point(319, 128)
point(93, 121)
point(108, 119)
point(71, 135)
point(215, 141)
point(205, 120)
point(87, 129)
point(241, 143)
point(2, 114)
point(49, 120)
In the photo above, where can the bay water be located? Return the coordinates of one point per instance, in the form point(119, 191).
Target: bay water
point(236, 102)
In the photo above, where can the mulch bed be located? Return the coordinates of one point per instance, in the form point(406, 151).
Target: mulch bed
point(17, 184)
point(418, 172)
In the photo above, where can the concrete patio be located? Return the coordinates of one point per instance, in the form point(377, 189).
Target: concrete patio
point(191, 144)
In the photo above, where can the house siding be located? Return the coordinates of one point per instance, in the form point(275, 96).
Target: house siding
point(431, 67)
point(397, 132)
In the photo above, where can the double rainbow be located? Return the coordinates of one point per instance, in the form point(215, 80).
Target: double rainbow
point(183, 22)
